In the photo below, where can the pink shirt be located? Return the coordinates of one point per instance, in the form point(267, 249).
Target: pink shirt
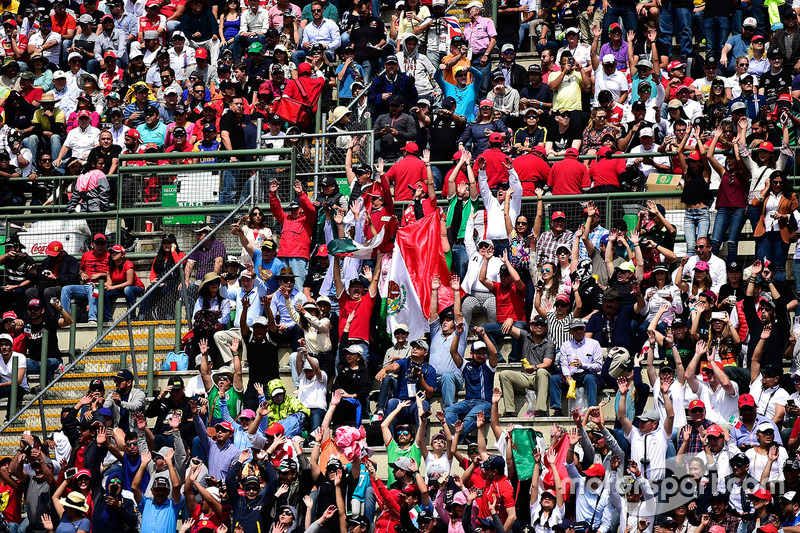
point(478, 34)
point(275, 15)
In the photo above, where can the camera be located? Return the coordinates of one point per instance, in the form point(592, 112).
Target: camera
point(46, 273)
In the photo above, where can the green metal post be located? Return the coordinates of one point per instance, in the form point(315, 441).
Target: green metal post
point(43, 358)
point(101, 290)
point(119, 206)
point(12, 399)
point(151, 349)
point(73, 330)
point(178, 319)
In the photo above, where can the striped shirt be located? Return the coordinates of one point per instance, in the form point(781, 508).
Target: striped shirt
point(558, 330)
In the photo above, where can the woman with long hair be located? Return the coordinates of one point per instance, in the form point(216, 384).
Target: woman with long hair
point(44, 76)
point(477, 132)
point(693, 286)
point(723, 340)
point(731, 197)
point(773, 234)
point(280, 56)
point(210, 299)
point(596, 130)
point(758, 63)
point(122, 280)
point(740, 67)
point(522, 247)
point(290, 32)
point(255, 230)
point(229, 22)
point(548, 288)
point(762, 167)
point(72, 509)
point(352, 378)
point(168, 255)
point(410, 21)
point(716, 107)
point(137, 70)
point(696, 193)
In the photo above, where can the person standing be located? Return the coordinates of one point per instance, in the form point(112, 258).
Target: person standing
point(481, 37)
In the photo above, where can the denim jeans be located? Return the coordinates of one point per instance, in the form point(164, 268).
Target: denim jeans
point(696, 222)
point(406, 415)
point(448, 384)
point(369, 66)
point(587, 381)
point(389, 388)
point(31, 142)
point(615, 13)
point(776, 251)
point(299, 266)
point(716, 30)
point(729, 221)
point(230, 188)
point(131, 293)
point(796, 270)
point(494, 330)
point(460, 260)
point(33, 365)
point(80, 292)
point(5, 392)
point(699, 27)
point(293, 424)
point(676, 21)
point(317, 415)
point(467, 410)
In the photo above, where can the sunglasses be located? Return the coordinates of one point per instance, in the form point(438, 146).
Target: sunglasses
point(544, 270)
point(223, 378)
point(697, 410)
point(403, 432)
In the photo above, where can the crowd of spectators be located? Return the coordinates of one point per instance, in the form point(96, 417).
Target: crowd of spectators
point(232, 444)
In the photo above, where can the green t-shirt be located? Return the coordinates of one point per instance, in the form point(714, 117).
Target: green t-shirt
point(466, 211)
point(235, 401)
point(394, 452)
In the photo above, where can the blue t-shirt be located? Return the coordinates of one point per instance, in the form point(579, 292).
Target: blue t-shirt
point(739, 47)
point(71, 527)
point(159, 518)
point(349, 77)
point(406, 377)
point(268, 271)
point(157, 135)
point(478, 380)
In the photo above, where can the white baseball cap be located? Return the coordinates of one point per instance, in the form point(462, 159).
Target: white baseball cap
point(646, 132)
point(608, 59)
point(750, 21)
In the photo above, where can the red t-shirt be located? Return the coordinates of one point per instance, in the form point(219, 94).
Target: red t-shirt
point(67, 23)
point(462, 176)
point(408, 171)
point(510, 302)
point(606, 171)
point(496, 171)
point(503, 491)
point(12, 512)
point(569, 176)
point(171, 8)
point(531, 169)
point(32, 95)
point(476, 480)
point(198, 515)
point(121, 275)
point(94, 264)
point(359, 328)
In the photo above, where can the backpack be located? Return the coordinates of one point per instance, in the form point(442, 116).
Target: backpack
point(181, 360)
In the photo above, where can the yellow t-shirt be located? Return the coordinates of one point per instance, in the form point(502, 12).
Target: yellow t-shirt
point(568, 95)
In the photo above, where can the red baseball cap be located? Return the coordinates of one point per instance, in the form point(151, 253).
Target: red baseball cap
point(274, 429)
point(10, 22)
point(322, 251)
point(694, 155)
point(457, 155)
point(205, 524)
point(152, 3)
point(55, 247)
point(118, 249)
point(769, 528)
point(747, 399)
point(596, 470)
point(496, 137)
point(613, 27)
point(98, 237)
point(714, 430)
point(766, 145)
point(785, 98)
point(225, 425)
point(695, 404)
point(562, 297)
point(558, 214)
point(486, 103)
point(675, 64)
point(133, 134)
point(604, 151)
point(411, 148)
point(110, 53)
point(84, 113)
point(762, 494)
point(9, 315)
point(35, 303)
point(202, 53)
point(572, 152)
point(716, 529)
point(541, 150)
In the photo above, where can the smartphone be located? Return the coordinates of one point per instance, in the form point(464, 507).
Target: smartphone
point(71, 472)
point(421, 394)
point(114, 489)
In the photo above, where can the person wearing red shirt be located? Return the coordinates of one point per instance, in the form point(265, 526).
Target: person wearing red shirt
point(461, 177)
point(604, 172)
point(9, 484)
point(533, 170)
point(15, 45)
point(496, 171)
point(111, 73)
point(358, 300)
point(121, 280)
point(94, 266)
point(295, 245)
point(677, 78)
point(30, 93)
point(180, 144)
point(381, 213)
point(152, 20)
point(420, 205)
point(408, 170)
point(509, 295)
point(498, 489)
point(570, 176)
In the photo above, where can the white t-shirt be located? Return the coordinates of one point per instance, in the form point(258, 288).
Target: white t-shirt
point(312, 393)
point(546, 525)
point(437, 466)
point(644, 167)
point(5, 369)
point(28, 156)
point(676, 394)
point(616, 83)
point(759, 461)
point(653, 447)
point(53, 53)
point(766, 400)
point(720, 406)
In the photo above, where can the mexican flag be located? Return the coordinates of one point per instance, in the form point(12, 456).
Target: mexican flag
point(351, 248)
point(416, 258)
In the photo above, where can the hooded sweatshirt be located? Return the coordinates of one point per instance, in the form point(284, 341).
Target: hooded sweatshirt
point(119, 519)
point(418, 67)
point(294, 512)
point(246, 512)
point(289, 406)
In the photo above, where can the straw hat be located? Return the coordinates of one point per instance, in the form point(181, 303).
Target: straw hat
point(75, 500)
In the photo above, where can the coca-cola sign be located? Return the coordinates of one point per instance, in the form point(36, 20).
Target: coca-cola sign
point(38, 248)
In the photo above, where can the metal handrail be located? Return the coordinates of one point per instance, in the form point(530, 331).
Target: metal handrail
point(125, 315)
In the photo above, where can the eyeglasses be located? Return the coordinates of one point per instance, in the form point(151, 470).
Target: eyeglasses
point(697, 410)
point(46, 160)
point(286, 512)
point(316, 11)
point(779, 182)
point(253, 488)
point(461, 74)
point(131, 444)
point(562, 252)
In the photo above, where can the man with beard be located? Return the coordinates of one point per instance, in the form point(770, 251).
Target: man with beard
point(772, 311)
